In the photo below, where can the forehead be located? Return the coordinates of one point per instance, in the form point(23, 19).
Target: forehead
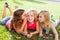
point(40, 14)
point(30, 13)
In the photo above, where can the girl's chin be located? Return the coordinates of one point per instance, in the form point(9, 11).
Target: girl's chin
point(30, 21)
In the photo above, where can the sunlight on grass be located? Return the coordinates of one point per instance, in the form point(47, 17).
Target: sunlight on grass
point(52, 7)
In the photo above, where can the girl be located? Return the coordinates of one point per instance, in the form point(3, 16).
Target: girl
point(19, 20)
point(32, 23)
point(46, 24)
point(16, 21)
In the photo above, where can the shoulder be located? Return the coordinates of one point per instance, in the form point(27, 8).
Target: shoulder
point(51, 25)
point(37, 23)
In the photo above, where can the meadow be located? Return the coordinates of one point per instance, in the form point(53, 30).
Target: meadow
point(52, 7)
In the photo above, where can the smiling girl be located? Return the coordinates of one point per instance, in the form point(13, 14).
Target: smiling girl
point(32, 23)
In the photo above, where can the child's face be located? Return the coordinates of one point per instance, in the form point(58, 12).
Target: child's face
point(23, 15)
point(41, 17)
point(30, 16)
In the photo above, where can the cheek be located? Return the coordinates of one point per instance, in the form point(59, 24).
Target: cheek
point(23, 17)
point(33, 18)
point(41, 19)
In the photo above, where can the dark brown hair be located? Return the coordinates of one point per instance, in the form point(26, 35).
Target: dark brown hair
point(17, 17)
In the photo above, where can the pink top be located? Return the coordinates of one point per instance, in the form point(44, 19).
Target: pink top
point(12, 26)
point(31, 27)
point(7, 25)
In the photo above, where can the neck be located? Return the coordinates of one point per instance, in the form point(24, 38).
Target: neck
point(31, 22)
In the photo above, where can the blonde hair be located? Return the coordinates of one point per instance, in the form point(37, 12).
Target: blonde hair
point(47, 18)
point(35, 14)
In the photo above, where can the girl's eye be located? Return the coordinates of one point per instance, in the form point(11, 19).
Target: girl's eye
point(31, 15)
point(27, 15)
point(40, 16)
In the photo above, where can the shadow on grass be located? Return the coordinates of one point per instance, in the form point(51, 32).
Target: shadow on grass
point(16, 36)
point(14, 1)
point(34, 1)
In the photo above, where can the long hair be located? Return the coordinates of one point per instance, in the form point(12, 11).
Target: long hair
point(47, 19)
point(17, 17)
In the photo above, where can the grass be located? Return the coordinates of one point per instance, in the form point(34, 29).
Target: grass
point(53, 7)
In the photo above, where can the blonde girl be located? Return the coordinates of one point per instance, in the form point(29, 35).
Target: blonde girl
point(46, 24)
point(32, 23)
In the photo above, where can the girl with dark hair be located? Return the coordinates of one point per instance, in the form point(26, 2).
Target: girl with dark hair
point(16, 20)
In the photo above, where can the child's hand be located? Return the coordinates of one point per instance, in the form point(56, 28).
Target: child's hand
point(40, 35)
point(28, 35)
point(8, 7)
point(56, 37)
point(25, 33)
point(46, 36)
point(6, 4)
point(31, 34)
point(25, 20)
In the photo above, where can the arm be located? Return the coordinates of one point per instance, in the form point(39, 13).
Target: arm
point(4, 12)
point(54, 31)
point(37, 29)
point(40, 32)
point(32, 33)
point(20, 30)
point(25, 29)
point(23, 25)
